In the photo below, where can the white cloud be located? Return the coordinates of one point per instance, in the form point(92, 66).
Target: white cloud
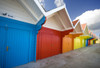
point(92, 18)
point(59, 3)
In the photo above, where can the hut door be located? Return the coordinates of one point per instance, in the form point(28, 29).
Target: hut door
point(43, 45)
point(17, 45)
point(67, 44)
point(56, 45)
point(2, 43)
point(48, 45)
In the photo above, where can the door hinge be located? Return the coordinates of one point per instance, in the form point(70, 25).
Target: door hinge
point(7, 48)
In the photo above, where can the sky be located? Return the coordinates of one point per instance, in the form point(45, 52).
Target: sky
point(88, 11)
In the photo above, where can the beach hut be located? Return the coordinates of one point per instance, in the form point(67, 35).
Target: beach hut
point(87, 41)
point(68, 40)
point(94, 36)
point(86, 32)
point(49, 38)
point(85, 29)
point(19, 25)
point(91, 41)
point(80, 41)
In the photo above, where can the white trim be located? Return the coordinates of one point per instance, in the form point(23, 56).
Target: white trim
point(67, 29)
point(69, 16)
point(39, 6)
point(76, 24)
point(54, 10)
point(81, 27)
point(84, 28)
point(50, 16)
point(58, 29)
point(49, 12)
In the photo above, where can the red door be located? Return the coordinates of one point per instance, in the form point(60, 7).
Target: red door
point(48, 43)
point(56, 44)
point(43, 46)
point(88, 42)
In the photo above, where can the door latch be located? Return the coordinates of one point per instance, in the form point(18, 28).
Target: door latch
point(7, 48)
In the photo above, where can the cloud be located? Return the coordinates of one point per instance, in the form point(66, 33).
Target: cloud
point(92, 18)
point(42, 2)
point(59, 2)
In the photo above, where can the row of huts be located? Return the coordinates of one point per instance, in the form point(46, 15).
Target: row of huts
point(29, 33)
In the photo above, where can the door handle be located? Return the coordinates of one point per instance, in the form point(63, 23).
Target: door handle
point(7, 48)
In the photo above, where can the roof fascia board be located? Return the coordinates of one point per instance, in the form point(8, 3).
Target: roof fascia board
point(81, 27)
point(68, 29)
point(85, 27)
point(54, 10)
point(69, 16)
point(49, 12)
point(76, 24)
point(40, 7)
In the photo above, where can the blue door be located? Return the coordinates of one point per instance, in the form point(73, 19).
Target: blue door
point(17, 47)
point(17, 42)
point(87, 42)
point(2, 43)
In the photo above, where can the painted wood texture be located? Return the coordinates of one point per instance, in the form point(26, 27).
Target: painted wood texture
point(68, 42)
point(18, 42)
point(48, 43)
point(77, 43)
point(2, 43)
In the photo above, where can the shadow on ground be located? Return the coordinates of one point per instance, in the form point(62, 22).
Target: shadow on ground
point(87, 57)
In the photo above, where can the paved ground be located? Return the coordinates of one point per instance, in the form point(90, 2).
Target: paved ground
point(87, 57)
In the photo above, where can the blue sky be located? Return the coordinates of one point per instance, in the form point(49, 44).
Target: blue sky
point(88, 11)
point(77, 7)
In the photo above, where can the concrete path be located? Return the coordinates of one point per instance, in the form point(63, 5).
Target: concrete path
point(87, 57)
